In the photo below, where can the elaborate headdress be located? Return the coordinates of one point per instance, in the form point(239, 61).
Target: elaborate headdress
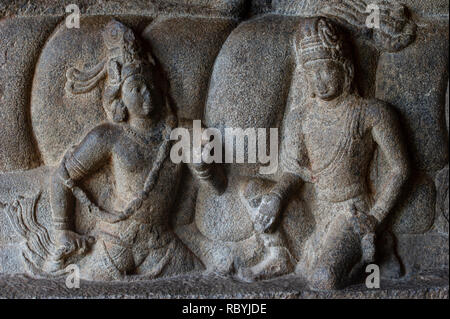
point(123, 60)
point(319, 40)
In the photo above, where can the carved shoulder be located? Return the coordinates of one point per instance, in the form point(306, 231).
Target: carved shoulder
point(379, 113)
point(103, 135)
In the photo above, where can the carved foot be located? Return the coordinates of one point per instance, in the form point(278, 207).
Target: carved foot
point(278, 263)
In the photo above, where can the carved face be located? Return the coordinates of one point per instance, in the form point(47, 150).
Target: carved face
point(326, 78)
point(136, 97)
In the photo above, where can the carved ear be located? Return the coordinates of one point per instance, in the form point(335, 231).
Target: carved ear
point(119, 111)
point(310, 88)
point(350, 74)
point(113, 72)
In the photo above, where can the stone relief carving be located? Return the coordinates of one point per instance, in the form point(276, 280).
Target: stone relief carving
point(348, 212)
point(134, 236)
point(120, 209)
point(38, 242)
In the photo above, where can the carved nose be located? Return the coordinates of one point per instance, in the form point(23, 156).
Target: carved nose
point(321, 87)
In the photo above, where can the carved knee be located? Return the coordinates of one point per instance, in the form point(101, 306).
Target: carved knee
point(324, 278)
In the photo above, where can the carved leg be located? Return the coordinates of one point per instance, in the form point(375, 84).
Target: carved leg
point(170, 260)
point(339, 253)
point(101, 263)
point(216, 256)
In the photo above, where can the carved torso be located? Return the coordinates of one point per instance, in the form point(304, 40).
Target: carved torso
point(132, 157)
point(339, 146)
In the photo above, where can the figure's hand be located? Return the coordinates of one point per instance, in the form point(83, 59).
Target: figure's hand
point(267, 212)
point(129, 211)
point(69, 243)
point(205, 170)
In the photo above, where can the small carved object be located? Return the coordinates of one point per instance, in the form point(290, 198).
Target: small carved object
point(332, 145)
point(134, 237)
point(395, 31)
point(38, 244)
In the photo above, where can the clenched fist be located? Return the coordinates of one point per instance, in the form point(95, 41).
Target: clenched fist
point(70, 243)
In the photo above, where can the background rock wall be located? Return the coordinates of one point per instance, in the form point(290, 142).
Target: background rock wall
point(234, 72)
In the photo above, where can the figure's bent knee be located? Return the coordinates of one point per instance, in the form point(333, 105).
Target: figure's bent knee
point(324, 278)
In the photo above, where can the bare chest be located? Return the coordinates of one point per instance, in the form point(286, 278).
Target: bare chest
point(133, 159)
point(339, 139)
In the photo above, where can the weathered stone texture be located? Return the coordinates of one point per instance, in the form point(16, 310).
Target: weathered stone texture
point(87, 177)
point(187, 49)
point(21, 40)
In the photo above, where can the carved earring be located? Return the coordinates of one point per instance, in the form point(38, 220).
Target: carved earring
point(119, 111)
point(349, 68)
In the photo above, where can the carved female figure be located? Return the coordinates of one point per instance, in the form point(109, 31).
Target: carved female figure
point(134, 237)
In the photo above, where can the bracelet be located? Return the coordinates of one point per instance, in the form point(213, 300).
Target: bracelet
point(67, 181)
point(204, 174)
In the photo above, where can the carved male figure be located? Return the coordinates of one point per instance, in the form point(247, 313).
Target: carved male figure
point(134, 237)
point(332, 144)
